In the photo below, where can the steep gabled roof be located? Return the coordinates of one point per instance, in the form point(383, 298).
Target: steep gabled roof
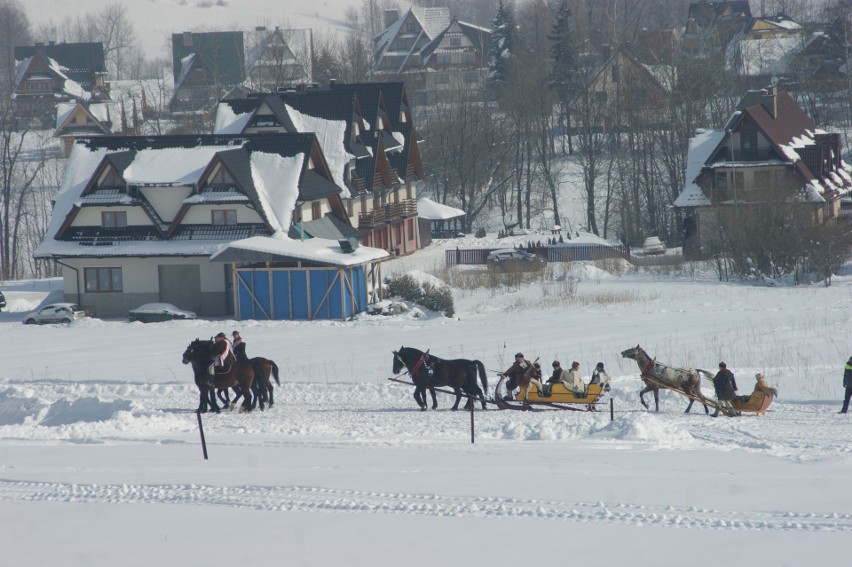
point(221, 53)
point(80, 60)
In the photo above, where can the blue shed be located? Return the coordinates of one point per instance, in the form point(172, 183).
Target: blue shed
point(285, 279)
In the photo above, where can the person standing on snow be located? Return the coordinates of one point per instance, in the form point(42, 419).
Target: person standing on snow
point(726, 387)
point(847, 383)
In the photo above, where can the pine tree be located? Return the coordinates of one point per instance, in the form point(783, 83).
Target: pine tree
point(502, 42)
point(563, 51)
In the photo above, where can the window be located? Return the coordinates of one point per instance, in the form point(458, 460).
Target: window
point(221, 177)
point(224, 216)
point(111, 179)
point(615, 73)
point(721, 180)
point(103, 280)
point(761, 179)
point(442, 78)
point(316, 210)
point(600, 96)
point(455, 41)
point(113, 219)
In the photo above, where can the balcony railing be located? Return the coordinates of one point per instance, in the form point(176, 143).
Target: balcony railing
point(391, 211)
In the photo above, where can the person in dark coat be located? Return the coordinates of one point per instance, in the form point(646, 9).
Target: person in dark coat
point(847, 383)
point(726, 388)
point(515, 371)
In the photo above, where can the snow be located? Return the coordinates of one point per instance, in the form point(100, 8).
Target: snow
point(331, 135)
point(701, 146)
point(229, 122)
point(172, 166)
point(101, 446)
point(315, 250)
point(429, 209)
point(154, 21)
point(276, 180)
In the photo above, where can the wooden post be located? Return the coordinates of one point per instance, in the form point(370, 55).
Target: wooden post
point(201, 431)
point(611, 409)
point(472, 403)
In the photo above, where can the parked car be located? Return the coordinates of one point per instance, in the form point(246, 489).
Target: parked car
point(511, 257)
point(2, 301)
point(55, 313)
point(156, 312)
point(653, 245)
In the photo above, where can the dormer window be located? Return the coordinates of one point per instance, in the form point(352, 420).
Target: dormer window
point(113, 219)
point(221, 177)
point(224, 217)
point(111, 179)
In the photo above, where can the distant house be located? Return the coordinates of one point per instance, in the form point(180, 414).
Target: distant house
point(53, 73)
point(138, 219)
point(278, 58)
point(432, 53)
point(205, 65)
point(769, 150)
point(765, 49)
point(625, 91)
point(83, 119)
point(370, 144)
point(710, 26)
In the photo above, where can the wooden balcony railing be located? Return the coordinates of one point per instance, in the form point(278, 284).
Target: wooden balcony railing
point(391, 211)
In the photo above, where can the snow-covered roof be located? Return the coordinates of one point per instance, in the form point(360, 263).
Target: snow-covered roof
point(229, 122)
point(331, 136)
point(700, 147)
point(769, 56)
point(319, 250)
point(172, 166)
point(429, 209)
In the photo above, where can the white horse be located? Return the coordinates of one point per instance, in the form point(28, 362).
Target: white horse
point(656, 375)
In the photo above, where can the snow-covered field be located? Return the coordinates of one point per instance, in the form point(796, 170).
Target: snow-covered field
point(101, 463)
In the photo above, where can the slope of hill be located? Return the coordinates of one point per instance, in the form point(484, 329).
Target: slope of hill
point(155, 20)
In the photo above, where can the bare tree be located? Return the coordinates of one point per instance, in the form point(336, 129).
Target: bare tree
point(22, 157)
point(14, 30)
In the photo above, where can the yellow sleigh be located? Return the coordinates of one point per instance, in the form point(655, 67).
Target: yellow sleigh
point(559, 395)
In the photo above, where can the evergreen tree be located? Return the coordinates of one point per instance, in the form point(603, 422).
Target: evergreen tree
point(563, 51)
point(503, 31)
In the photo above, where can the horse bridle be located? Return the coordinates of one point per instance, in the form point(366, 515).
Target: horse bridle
point(414, 370)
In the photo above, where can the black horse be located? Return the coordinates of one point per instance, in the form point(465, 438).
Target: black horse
point(200, 355)
point(428, 371)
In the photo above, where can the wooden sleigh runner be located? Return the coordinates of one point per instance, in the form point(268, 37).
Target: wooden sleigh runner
point(559, 397)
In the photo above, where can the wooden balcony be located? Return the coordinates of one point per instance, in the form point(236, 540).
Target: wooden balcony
point(391, 211)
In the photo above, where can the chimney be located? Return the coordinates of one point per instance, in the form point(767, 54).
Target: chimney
point(391, 16)
point(769, 101)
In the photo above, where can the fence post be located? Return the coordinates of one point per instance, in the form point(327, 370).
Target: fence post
point(201, 431)
point(472, 403)
point(611, 409)
point(458, 256)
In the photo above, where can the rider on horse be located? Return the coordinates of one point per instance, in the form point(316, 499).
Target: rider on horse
point(223, 351)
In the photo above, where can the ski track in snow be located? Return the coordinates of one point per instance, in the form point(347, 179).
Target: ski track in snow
point(312, 499)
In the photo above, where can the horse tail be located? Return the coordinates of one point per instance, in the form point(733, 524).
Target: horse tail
point(275, 372)
point(482, 377)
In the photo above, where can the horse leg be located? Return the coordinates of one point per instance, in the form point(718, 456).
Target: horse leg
point(656, 400)
point(269, 393)
point(642, 397)
point(434, 398)
point(458, 398)
point(420, 397)
point(223, 396)
point(689, 407)
point(211, 399)
point(202, 401)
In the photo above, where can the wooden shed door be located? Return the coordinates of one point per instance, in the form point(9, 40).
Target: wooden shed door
point(181, 285)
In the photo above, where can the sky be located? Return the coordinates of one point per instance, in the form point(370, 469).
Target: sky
point(101, 461)
point(155, 20)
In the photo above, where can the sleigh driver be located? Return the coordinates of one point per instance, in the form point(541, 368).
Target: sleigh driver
point(223, 350)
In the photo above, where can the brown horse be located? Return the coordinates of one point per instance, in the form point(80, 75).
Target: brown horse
point(200, 355)
point(687, 381)
point(264, 370)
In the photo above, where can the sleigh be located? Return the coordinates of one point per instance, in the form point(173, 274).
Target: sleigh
point(559, 397)
point(758, 402)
